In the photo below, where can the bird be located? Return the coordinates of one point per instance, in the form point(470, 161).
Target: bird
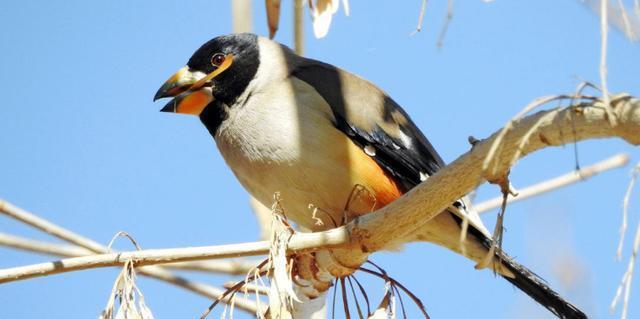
point(333, 145)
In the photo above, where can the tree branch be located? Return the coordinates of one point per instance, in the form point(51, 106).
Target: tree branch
point(346, 247)
point(300, 243)
point(49, 227)
point(42, 247)
point(557, 182)
point(230, 267)
point(87, 245)
point(398, 220)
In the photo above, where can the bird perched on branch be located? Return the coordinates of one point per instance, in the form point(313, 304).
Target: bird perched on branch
point(332, 144)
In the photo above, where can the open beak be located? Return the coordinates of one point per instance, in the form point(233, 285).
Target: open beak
point(191, 91)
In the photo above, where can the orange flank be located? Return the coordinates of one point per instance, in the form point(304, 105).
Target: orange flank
point(194, 103)
point(380, 188)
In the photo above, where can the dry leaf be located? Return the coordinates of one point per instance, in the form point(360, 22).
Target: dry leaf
point(321, 14)
point(130, 298)
point(273, 16)
point(281, 293)
point(622, 18)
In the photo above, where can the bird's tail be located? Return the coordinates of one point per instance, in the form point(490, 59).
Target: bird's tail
point(537, 288)
point(517, 274)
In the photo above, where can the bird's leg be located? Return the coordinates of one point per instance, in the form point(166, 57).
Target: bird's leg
point(358, 192)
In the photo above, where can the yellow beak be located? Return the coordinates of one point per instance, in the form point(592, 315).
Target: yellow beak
point(189, 89)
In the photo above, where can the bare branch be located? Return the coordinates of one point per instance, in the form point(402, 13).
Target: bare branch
point(627, 278)
point(199, 288)
point(298, 26)
point(626, 20)
point(423, 8)
point(625, 209)
point(241, 16)
point(557, 182)
point(299, 243)
point(49, 227)
point(60, 232)
point(155, 272)
point(445, 25)
point(230, 267)
point(399, 221)
point(248, 288)
point(604, 31)
point(407, 214)
point(42, 247)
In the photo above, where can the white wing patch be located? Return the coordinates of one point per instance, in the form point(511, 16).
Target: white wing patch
point(370, 150)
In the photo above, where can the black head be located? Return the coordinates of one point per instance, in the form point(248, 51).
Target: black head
point(246, 58)
point(220, 71)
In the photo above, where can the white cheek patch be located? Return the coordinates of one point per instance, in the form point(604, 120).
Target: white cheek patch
point(197, 75)
point(194, 76)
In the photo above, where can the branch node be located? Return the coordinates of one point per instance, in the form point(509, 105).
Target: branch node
point(473, 141)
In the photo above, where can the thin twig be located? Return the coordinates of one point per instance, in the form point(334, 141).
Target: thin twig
point(298, 27)
point(241, 16)
point(567, 179)
point(445, 25)
point(248, 288)
point(121, 234)
point(628, 30)
point(299, 243)
point(62, 233)
point(155, 272)
point(496, 238)
point(383, 275)
point(140, 258)
point(627, 278)
point(604, 30)
point(49, 227)
point(423, 8)
point(497, 142)
point(625, 209)
point(355, 298)
point(230, 267)
point(199, 288)
point(363, 292)
point(43, 247)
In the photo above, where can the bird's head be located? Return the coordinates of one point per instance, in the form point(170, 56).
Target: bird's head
point(220, 70)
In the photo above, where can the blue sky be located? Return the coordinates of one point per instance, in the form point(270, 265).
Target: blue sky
point(83, 144)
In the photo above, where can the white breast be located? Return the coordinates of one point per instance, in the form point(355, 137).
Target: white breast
point(276, 142)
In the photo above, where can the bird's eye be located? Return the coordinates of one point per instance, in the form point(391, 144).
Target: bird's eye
point(217, 59)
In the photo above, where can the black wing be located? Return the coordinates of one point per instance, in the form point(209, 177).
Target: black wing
point(372, 119)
